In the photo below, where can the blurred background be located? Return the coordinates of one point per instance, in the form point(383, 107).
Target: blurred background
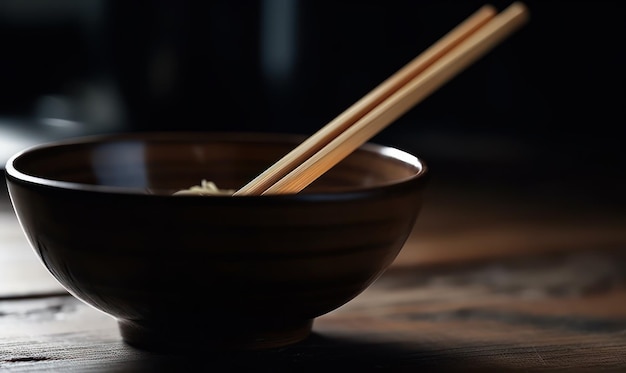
point(544, 110)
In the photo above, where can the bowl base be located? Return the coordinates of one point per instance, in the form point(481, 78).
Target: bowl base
point(197, 336)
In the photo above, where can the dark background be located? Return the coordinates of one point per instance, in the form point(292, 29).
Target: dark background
point(545, 108)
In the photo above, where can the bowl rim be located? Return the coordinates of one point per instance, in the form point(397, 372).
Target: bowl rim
point(12, 172)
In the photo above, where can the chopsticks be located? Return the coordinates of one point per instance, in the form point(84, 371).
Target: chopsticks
point(430, 70)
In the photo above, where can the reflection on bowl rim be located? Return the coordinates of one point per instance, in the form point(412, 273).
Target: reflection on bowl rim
point(12, 171)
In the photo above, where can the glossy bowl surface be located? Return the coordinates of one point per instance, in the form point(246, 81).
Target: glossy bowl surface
point(243, 272)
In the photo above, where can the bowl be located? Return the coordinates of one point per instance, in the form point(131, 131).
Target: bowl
point(217, 271)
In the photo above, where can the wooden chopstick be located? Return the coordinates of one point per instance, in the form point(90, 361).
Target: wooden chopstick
point(457, 50)
point(355, 112)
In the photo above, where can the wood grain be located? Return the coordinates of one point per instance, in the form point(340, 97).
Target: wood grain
point(523, 315)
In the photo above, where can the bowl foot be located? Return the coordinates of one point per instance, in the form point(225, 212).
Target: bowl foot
point(160, 336)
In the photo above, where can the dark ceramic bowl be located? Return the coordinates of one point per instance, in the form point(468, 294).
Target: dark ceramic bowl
point(243, 272)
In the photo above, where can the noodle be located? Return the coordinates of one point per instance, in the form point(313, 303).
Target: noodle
point(206, 188)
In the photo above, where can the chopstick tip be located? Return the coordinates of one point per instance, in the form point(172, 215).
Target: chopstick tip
point(517, 12)
point(519, 7)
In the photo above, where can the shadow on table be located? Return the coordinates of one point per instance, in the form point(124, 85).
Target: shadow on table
point(319, 353)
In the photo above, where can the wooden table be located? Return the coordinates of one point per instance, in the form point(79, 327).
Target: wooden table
point(495, 281)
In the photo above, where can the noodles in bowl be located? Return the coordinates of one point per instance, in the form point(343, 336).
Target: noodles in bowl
point(206, 188)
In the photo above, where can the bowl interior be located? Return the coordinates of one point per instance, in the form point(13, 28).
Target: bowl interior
point(162, 163)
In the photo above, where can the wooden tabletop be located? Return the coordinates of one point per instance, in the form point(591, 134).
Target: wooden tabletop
point(489, 281)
